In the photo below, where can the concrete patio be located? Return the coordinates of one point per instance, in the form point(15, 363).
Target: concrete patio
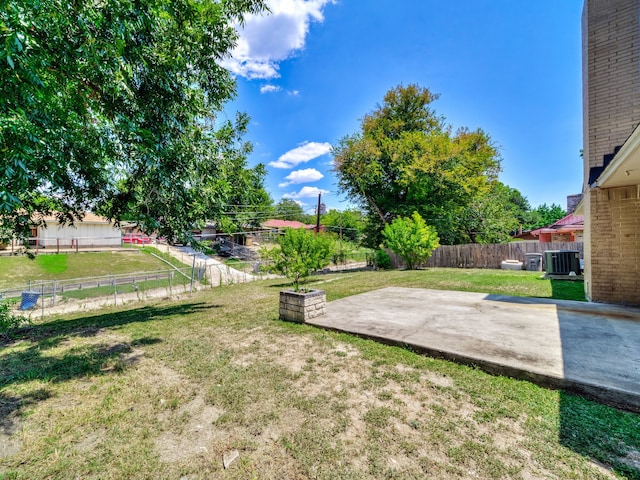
point(586, 348)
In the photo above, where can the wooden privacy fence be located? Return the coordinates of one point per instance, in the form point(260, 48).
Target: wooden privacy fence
point(488, 256)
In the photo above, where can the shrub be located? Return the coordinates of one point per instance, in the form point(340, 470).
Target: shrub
point(382, 259)
point(9, 322)
point(299, 253)
point(412, 239)
point(339, 257)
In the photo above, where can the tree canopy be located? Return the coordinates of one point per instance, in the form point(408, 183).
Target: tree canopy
point(112, 106)
point(545, 215)
point(288, 209)
point(298, 254)
point(347, 223)
point(494, 215)
point(405, 158)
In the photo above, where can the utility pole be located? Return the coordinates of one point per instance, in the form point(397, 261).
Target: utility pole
point(318, 215)
point(340, 231)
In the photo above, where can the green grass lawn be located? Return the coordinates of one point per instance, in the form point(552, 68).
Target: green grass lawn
point(506, 282)
point(18, 270)
point(107, 291)
point(164, 390)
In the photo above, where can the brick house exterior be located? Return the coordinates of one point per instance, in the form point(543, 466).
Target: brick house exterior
point(568, 229)
point(611, 100)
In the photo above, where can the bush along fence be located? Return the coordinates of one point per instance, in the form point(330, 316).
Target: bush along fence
point(488, 256)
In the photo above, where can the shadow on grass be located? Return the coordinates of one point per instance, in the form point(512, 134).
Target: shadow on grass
point(598, 347)
point(567, 290)
point(280, 286)
point(31, 360)
point(606, 435)
point(49, 334)
point(10, 421)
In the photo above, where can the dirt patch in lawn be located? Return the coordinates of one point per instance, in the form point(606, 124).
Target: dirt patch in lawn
point(10, 425)
point(292, 404)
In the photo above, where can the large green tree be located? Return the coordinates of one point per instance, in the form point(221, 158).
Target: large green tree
point(494, 215)
point(544, 215)
point(111, 106)
point(348, 223)
point(287, 209)
point(405, 158)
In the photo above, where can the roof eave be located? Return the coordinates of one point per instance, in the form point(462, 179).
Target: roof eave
point(624, 169)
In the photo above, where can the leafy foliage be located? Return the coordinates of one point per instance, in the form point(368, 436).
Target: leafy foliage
point(247, 198)
point(493, 216)
point(405, 158)
point(348, 223)
point(545, 215)
point(299, 253)
point(412, 239)
point(287, 209)
point(9, 322)
point(382, 259)
point(111, 106)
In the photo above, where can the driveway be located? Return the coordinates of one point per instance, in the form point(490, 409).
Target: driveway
point(587, 348)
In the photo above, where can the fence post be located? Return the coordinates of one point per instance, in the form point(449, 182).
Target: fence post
point(193, 267)
point(115, 291)
point(42, 297)
point(55, 288)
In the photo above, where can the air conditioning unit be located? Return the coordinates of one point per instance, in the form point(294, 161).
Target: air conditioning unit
point(562, 262)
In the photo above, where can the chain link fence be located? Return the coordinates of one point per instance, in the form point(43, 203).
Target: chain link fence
point(64, 295)
point(61, 296)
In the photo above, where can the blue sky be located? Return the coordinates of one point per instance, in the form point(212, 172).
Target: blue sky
point(312, 69)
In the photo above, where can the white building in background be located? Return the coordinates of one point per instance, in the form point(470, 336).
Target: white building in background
point(92, 231)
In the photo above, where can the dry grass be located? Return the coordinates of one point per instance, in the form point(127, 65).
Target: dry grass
point(164, 391)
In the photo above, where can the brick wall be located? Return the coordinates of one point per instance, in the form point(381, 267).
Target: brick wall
point(615, 246)
point(300, 307)
point(611, 76)
point(611, 99)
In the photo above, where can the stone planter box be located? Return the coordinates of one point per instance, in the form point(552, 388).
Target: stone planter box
point(302, 306)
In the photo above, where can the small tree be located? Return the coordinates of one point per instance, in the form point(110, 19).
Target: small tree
point(10, 322)
point(299, 253)
point(412, 239)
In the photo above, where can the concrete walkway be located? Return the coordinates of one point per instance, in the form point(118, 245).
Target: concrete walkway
point(216, 272)
point(590, 349)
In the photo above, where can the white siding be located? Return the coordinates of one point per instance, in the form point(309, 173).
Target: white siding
point(85, 234)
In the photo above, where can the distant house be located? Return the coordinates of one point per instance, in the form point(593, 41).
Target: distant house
point(567, 229)
point(282, 224)
point(524, 235)
point(92, 231)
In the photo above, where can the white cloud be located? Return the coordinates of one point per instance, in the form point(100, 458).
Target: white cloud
point(305, 192)
point(265, 40)
point(302, 176)
point(269, 88)
point(305, 152)
point(294, 93)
